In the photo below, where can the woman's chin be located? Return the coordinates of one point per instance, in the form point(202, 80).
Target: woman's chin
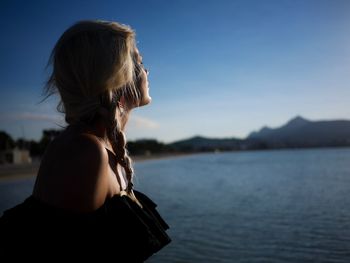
point(145, 101)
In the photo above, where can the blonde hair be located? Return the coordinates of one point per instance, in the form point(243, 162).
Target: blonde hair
point(93, 65)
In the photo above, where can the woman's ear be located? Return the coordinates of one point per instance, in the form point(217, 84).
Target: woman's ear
point(121, 104)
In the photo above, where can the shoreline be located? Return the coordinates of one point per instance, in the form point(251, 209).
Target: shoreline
point(143, 158)
point(12, 172)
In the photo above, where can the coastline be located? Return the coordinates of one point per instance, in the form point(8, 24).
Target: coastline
point(10, 172)
point(143, 158)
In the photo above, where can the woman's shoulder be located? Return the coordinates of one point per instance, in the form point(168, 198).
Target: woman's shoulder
point(79, 179)
point(69, 143)
point(89, 147)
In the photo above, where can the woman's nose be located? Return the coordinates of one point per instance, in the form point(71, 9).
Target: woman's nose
point(147, 71)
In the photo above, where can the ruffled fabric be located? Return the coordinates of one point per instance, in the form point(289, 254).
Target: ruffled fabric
point(120, 229)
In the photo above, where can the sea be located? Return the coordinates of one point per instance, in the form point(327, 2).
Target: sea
point(246, 206)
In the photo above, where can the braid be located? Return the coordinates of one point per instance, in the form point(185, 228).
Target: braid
point(118, 142)
point(124, 158)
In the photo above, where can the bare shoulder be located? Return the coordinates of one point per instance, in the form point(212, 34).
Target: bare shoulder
point(87, 147)
point(81, 181)
point(87, 166)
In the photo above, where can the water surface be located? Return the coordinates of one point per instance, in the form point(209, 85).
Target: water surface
point(254, 206)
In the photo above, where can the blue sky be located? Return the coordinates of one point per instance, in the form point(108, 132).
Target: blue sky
point(217, 68)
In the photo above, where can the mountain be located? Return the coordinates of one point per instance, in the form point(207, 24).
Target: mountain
point(199, 143)
point(300, 132)
point(296, 133)
point(284, 131)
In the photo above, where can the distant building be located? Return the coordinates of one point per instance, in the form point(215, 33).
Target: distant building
point(15, 156)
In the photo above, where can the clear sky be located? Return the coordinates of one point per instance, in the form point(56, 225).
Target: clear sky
point(218, 68)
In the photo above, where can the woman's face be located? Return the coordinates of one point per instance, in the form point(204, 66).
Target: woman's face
point(142, 82)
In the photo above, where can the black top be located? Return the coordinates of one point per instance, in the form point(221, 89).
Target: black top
point(120, 229)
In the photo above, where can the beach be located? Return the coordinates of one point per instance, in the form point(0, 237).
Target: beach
point(9, 172)
point(18, 171)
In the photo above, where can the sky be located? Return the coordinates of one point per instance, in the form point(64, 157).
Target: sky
point(218, 68)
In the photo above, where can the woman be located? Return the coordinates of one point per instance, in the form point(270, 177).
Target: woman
point(83, 192)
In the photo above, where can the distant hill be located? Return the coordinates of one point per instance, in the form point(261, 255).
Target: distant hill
point(199, 143)
point(300, 132)
point(296, 133)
